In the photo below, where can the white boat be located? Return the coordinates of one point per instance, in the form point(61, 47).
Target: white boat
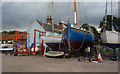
point(52, 42)
point(54, 54)
point(110, 37)
point(6, 48)
point(51, 39)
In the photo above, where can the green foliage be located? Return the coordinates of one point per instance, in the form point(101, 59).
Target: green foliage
point(8, 32)
point(5, 32)
point(11, 32)
point(94, 30)
point(97, 42)
point(109, 22)
point(86, 27)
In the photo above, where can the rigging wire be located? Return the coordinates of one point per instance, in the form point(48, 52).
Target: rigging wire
point(84, 11)
point(47, 6)
point(44, 14)
point(79, 9)
point(85, 15)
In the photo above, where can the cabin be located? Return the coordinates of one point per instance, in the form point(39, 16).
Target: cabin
point(45, 27)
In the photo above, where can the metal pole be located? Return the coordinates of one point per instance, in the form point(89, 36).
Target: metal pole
point(16, 38)
point(26, 44)
point(42, 42)
point(34, 39)
point(44, 51)
point(105, 16)
point(111, 11)
point(111, 14)
point(52, 19)
point(115, 55)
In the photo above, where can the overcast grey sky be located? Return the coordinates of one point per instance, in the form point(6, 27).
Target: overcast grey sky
point(19, 15)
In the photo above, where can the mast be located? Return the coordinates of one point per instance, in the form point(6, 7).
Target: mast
point(52, 19)
point(75, 14)
point(105, 15)
point(111, 12)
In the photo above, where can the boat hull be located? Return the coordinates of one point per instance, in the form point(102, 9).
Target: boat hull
point(52, 42)
point(76, 45)
point(53, 46)
point(6, 50)
point(77, 39)
point(111, 39)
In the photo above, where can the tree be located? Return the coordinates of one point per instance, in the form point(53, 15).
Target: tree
point(11, 32)
point(108, 25)
point(5, 32)
point(85, 26)
point(8, 32)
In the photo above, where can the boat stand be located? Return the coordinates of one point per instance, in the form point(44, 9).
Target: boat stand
point(41, 33)
point(23, 50)
point(114, 57)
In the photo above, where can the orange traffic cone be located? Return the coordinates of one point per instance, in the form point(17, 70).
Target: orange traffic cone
point(99, 58)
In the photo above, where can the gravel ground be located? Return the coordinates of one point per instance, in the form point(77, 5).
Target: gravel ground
point(40, 63)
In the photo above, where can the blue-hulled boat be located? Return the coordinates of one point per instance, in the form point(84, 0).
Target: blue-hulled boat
point(77, 39)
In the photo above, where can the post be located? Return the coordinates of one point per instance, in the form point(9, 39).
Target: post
point(34, 40)
point(16, 38)
point(44, 51)
point(42, 41)
point(26, 43)
point(52, 19)
point(115, 55)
